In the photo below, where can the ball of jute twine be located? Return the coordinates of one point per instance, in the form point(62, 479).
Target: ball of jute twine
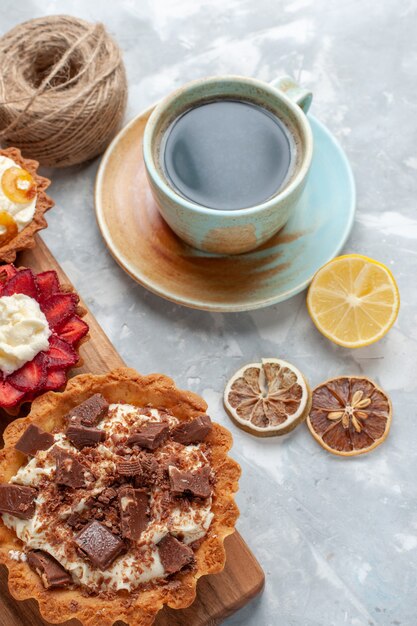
point(63, 89)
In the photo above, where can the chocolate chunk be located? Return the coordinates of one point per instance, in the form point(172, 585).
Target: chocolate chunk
point(129, 467)
point(17, 500)
point(107, 513)
point(89, 412)
point(174, 554)
point(50, 571)
point(99, 544)
point(107, 495)
point(134, 516)
point(195, 483)
point(150, 471)
point(83, 437)
point(75, 520)
point(151, 435)
point(33, 440)
point(69, 471)
point(192, 432)
point(73, 606)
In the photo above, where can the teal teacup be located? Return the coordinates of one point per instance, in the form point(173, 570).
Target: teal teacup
point(241, 229)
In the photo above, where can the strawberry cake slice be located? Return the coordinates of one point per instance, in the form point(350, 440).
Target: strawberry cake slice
point(40, 331)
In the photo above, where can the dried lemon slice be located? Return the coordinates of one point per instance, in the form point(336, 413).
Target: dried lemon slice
point(353, 300)
point(349, 415)
point(268, 398)
point(18, 185)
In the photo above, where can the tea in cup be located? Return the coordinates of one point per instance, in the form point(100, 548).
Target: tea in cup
point(227, 159)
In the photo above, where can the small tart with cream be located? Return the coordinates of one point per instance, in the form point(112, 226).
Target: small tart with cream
point(40, 331)
point(23, 203)
point(115, 497)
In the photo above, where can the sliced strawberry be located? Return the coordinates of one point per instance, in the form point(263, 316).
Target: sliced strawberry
point(9, 396)
point(55, 379)
point(31, 376)
point(6, 273)
point(60, 354)
point(48, 284)
point(74, 330)
point(22, 282)
point(59, 308)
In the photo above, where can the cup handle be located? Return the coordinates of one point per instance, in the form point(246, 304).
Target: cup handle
point(297, 94)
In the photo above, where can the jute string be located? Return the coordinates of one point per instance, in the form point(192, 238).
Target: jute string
point(63, 89)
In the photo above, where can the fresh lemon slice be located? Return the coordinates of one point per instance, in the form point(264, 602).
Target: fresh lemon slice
point(268, 398)
point(353, 300)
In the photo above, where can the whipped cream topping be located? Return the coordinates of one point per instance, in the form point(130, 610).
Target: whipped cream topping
point(22, 213)
point(189, 520)
point(24, 331)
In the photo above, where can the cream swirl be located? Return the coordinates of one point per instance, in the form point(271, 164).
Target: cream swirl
point(24, 331)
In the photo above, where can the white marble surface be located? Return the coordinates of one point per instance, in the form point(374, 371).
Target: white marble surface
point(337, 538)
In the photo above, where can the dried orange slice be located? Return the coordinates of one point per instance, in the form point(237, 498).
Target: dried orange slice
point(18, 185)
point(349, 415)
point(268, 398)
point(7, 222)
point(353, 300)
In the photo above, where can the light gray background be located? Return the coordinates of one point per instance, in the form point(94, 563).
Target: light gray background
point(337, 538)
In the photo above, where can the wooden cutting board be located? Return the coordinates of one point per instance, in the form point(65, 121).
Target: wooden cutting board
point(218, 595)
